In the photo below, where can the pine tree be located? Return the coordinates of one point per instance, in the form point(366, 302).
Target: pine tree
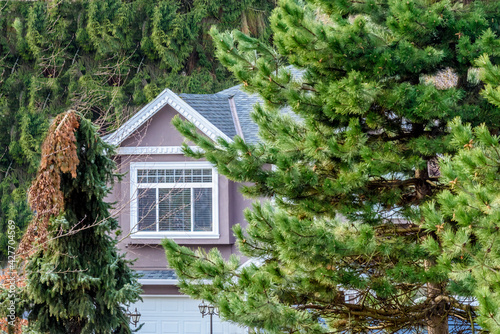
point(342, 245)
point(466, 217)
point(76, 282)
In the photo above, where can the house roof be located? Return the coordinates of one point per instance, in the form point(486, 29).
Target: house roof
point(215, 108)
point(244, 103)
point(157, 274)
point(223, 114)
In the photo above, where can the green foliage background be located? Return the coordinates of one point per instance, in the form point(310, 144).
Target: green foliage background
point(105, 59)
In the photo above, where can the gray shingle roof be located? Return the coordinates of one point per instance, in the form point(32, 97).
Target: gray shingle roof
point(244, 103)
point(157, 274)
point(215, 108)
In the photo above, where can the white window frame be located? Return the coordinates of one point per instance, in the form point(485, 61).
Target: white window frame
point(134, 191)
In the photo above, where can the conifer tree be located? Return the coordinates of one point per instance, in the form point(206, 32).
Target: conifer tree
point(466, 217)
point(343, 245)
point(75, 280)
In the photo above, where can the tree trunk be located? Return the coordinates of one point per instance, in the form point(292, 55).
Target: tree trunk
point(438, 319)
point(438, 326)
point(438, 316)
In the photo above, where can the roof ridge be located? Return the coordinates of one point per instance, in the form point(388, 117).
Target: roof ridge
point(236, 118)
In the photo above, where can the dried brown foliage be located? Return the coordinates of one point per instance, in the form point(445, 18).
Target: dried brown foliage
point(59, 155)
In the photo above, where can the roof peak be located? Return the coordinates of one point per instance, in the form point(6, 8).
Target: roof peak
point(148, 111)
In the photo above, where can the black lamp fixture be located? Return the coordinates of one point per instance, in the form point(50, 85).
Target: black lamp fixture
point(203, 308)
point(208, 310)
point(133, 317)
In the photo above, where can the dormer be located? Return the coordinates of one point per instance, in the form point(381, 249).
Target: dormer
point(164, 193)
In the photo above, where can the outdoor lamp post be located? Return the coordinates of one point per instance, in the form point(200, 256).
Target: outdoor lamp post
point(133, 317)
point(208, 310)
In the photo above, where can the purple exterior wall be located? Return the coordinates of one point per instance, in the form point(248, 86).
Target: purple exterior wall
point(159, 131)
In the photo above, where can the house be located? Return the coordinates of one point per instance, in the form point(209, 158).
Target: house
point(165, 194)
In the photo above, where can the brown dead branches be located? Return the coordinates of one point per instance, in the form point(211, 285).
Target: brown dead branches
point(59, 155)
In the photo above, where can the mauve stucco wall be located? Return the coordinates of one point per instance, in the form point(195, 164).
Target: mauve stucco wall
point(237, 205)
point(159, 131)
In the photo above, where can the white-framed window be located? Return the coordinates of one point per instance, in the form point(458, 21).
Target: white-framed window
point(173, 199)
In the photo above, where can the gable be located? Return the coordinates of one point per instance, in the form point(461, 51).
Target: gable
point(156, 131)
point(166, 98)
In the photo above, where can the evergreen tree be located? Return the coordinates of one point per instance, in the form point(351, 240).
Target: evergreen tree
point(466, 217)
point(342, 246)
point(105, 59)
point(76, 282)
point(468, 220)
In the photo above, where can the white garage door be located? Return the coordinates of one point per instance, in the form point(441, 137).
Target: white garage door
point(178, 314)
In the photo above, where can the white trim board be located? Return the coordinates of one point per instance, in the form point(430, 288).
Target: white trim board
point(148, 150)
point(164, 98)
point(159, 281)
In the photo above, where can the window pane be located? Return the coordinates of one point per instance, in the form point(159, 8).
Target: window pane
point(169, 176)
point(142, 176)
point(175, 209)
point(188, 175)
point(174, 175)
point(161, 176)
point(207, 175)
point(202, 202)
point(152, 176)
point(196, 175)
point(146, 210)
point(179, 175)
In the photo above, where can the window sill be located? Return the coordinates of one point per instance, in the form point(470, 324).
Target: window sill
point(170, 235)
